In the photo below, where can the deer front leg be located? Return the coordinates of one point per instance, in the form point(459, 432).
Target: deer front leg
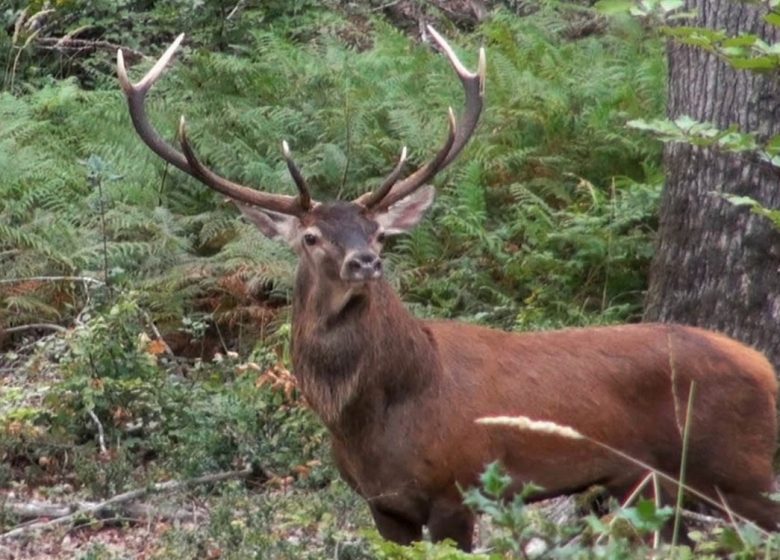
point(394, 527)
point(452, 520)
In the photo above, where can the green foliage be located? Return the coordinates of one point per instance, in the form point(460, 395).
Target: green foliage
point(285, 525)
point(755, 207)
point(423, 550)
point(518, 531)
point(108, 367)
point(686, 129)
point(746, 51)
point(513, 523)
point(554, 115)
point(121, 404)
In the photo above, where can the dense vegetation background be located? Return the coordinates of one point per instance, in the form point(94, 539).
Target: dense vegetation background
point(146, 326)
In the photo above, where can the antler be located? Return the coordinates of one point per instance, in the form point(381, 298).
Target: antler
point(188, 161)
point(457, 137)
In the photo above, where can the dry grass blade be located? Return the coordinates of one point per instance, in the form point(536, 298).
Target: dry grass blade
point(555, 429)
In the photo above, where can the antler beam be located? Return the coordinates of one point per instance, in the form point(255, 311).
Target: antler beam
point(188, 160)
point(457, 138)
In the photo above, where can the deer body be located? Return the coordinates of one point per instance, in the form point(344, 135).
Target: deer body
point(401, 396)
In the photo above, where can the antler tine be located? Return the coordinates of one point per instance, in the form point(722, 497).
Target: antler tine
point(136, 97)
point(406, 187)
point(188, 161)
point(300, 182)
point(474, 90)
point(371, 198)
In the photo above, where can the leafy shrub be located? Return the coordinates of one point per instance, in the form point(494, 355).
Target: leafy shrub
point(123, 405)
point(516, 237)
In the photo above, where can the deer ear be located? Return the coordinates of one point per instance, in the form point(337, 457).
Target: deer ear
point(407, 212)
point(273, 225)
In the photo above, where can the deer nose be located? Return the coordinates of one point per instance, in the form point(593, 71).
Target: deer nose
point(361, 265)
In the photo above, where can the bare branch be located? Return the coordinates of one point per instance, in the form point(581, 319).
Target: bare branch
point(101, 435)
point(33, 326)
point(86, 45)
point(89, 508)
point(36, 509)
point(84, 279)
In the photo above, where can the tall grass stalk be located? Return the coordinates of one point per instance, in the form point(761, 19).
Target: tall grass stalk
point(683, 463)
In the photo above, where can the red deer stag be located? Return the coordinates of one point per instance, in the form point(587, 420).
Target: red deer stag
point(400, 396)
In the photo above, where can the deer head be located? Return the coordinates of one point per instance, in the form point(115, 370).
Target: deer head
point(340, 241)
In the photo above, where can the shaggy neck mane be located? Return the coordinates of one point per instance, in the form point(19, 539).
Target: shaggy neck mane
point(357, 354)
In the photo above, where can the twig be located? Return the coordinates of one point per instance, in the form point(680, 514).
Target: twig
point(91, 508)
point(629, 500)
point(31, 326)
point(239, 6)
point(385, 6)
point(158, 335)
point(101, 436)
point(730, 514)
point(657, 495)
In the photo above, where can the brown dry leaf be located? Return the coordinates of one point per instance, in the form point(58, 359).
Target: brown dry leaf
point(14, 428)
point(156, 347)
point(243, 368)
point(279, 379)
point(121, 415)
point(303, 471)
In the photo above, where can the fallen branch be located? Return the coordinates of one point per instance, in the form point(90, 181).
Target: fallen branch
point(79, 45)
point(85, 279)
point(138, 511)
point(31, 326)
point(89, 508)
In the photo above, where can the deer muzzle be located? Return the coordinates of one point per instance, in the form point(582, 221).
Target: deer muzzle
point(361, 266)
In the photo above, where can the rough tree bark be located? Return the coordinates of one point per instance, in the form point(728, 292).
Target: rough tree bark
point(718, 266)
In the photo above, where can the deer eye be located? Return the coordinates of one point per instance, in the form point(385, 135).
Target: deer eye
point(380, 238)
point(310, 239)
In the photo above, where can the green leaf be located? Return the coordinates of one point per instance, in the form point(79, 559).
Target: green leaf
point(613, 7)
point(772, 18)
point(685, 122)
point(772, 146)
point(696, 36)
point(746, 40)
point(740, 200)
point(596, 525)
point(774, 48)
point(494, 480)
point(755, 63)
point(645, 516)
point(671, 5)
point(735, 51)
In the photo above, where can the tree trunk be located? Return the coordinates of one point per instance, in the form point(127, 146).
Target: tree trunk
point(717, 265)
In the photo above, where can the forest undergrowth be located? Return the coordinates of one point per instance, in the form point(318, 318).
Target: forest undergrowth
point(145, 327)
